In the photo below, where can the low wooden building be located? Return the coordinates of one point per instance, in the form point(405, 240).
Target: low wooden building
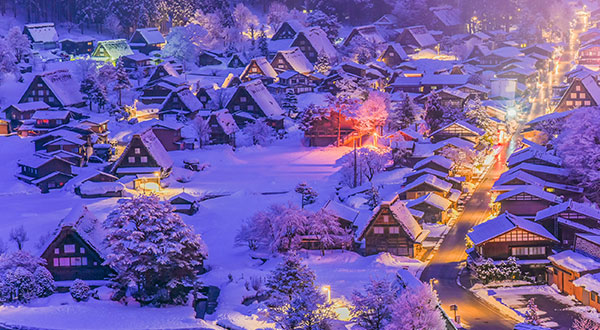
point(111, 50)
point(580, 93)
point(435, 208)
point(291, 59)
point(460, 129)
point(143, 155)
point(19, 112)
point(55, 88)
point(46, 173)
point(393, 55)
point(587, 287)
point(42, 36)
point(184, 203)
point(393, 229)
point(567, 219)
point(146, 40)
point(526, 201)
point(77, 46)
point(424, 185)
point(77, 249)
point(570, 265)
point(258, 68)
point(288, 30)
point(222, 127)
point(435, 162)
point(312, 41)
point(254, 99)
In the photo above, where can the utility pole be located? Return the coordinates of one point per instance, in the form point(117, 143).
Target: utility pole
point(355, 164)
point(339, 137)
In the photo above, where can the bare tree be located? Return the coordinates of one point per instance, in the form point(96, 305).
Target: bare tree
point(19, 236)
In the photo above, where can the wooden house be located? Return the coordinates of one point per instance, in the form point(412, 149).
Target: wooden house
point(55, 88)
point(325, 131)
point(258, 68)
point(41, 35)
point(451, 98)
point(566, 220)
point(393, 229)
point(288, 30)
point(77, 46)
point(387, 21)
point(424, 185)
point(547, 173)
point(206, 58)
point(111, 50)
point(157, 92)
point(162, 70)
point(295, 82)
point(51, 118)
point(569, 266)
point(589, 54)
point(77, 249)
point(587, 287)
point(509, 235)
point(184, 203)
point(459, 129)
point(435, 208)
point(137, 62)
point(393, 55)
point(580, 93)
point(456, 181)
point(475, 91)
point(533, 156)
point(19, 112)
point(416, 37)
point(180, 102)
point(253, 98)
point(435, 162)
point(526, 201)
point(100, 184)
point(520, 178)
point(479, 51)
point(168, 133)
point(146, 40)
point(291, 59)
point(46, 173)
point(222, 127)
point(237, 61)
point(366, 33)
point(498, 56)
point(312, 41)
point(446, 19)
point(143, 155)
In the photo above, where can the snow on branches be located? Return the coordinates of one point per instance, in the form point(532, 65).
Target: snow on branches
point(362, 164)
point(23, 278)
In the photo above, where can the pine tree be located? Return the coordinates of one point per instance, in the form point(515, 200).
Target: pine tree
point(153, 248)
point(434, 113)
point(583, 323)
point(531, 315)
point(373, 197)
point(121, 80)
point(263, 44)
point(289, 276)
point(323, 64)
point(308, 194)
point(372, 309)
point(402, 114)
point(88, 85)
point(290, 103)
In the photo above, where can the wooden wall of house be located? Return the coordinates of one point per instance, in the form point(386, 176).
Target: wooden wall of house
point(502, 250)
point(306, 47)
point(169, 138)
point(397, 244)
point(523, 208)
point(135, 143)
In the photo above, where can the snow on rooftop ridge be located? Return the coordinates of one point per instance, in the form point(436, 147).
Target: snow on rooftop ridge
point(432, 180)
point(432, 199)
point(570, 205)
point(63, 86)
point(156, 149)
point(263, 98)
point(591, 282)
point(503, 224)
point(297, 60)
point(574, 261)
point(436, 159)
point(152, 35)
point(530, 190)
point(42, 32)
point(340, 210)
point(318, 39)
point(226, 121)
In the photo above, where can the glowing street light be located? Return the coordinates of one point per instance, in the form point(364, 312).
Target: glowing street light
point(327, 290)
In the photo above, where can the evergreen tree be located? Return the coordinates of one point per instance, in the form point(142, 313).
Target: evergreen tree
point(153, 248)
point(328, 23)
point(263, 43)
point(122, 80)
point(372, 309)
point(531, 315)
point(402, 114)
point(289, 276)
point(309, 195)
point(87, 88)
point(434, 114)
point(323, 64)
point(290, 103)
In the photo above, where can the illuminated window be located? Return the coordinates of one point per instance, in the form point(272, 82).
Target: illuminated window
point(573, 95)
point(69, 248)
point(137, 151)
point(81, 250)
point(587, 103)
point(394, 230)
point(131, 159)
point(378, 230)
point(56, 251)
point(64, 262)
point(386, 218)
point(75, 261)
point(55, 262)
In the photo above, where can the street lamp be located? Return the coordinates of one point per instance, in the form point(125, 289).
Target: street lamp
point(327, 290)
point(454, 308)
point(433, 281)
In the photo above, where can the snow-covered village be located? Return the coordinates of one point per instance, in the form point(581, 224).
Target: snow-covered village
point(300, 164)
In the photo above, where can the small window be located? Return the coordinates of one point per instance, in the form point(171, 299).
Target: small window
point(378, 230)
point(55, 262)
point(394, 230)
point(56, 251)
point(587, 103)
point(64, 262)
point(81, 250)
point(242, 99)
point(75, 261)
point(250, 107)
point(391, 54)
point(137, 151)
point(131, 159)
point(84, 261)
point(144, 159)
point(386, 218)
point(236, 107)
point(69, 248)
point(573, 95)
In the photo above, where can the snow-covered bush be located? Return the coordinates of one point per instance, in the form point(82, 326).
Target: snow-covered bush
point(153, 248)
point(259, 132)
point(372, 309)
point(23, 278)
point(80, 291)
point(309, 195)
point(583, 323)
point(487, 272)
point(18, 285)
point(45, 282)
point(531, 315)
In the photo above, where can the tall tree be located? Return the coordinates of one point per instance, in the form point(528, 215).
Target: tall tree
point(122, 81)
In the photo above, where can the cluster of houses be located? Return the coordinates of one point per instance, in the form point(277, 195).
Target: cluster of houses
point(540, 215)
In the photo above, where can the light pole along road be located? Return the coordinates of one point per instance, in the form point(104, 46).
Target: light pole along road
point(446, 264)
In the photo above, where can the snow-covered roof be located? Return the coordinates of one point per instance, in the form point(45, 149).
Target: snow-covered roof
point(503, 224)
point(574, 261)
point(562, 172)
point(401, 215)
point(421, 35)
point(530, 190)
point(399, 50)
point(478, 88)
point(262, 97)
point(456, 142)
point(507, 52)
point(432, 199)
point(464, 125)
point(42, 32)
point(226, 121)
point(263, 64)
point(531, 153)
point(295, 25)
point(50, 114)
point(99, 188)
point(447, 15)
point(151, 36)
point(138, 57)
point(185, 196)
point(520, 175)
point(155, 148)
point(590, 237)
point(436, 159)
point(115, 48)
point(297, 60)
point(429, 179)
point(445, 79)
point(570, 205)
point(426, 170)
point(30, 106)
point(35, 161)
point(288, 74)
point(591, 282)
point(318, 39)
point(186, 97)
point(370, 33)
point(63, 86)
point(340, 210)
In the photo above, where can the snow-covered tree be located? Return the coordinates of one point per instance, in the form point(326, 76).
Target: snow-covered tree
point(153, 248)
point(477, 115)
point(402, 114)
point(290, 103)
point(182, 43)
point(113, 26)
point(277, 229)
point(263, 43)
point(372, 309)
point(259, 132)
point(582, 323)
point(277, 14)
point(531, 315)
point(44, 282)
point(328, 23)
point(416, 308)
point(8, 60)
point(122, 81)
point(461, 158)
point(373, 197)
point(349, 88)
point(18, 285)
point(245, 21)
point(18, 42)
point(202, 128)
point(410, 11)
point(80, 290)
point(434, 112)
point(362, 164)
point(19, 236)
point(295, 302)
point(308, 194)
point(311, 115)
point(328, 230)
point(373, 113)
point(323, 63)
point(23, 278)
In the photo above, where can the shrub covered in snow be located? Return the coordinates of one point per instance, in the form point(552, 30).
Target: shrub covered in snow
point(80, 291)
point(23, 278)
point(372, 309)
point(362, 166)
point(417, 308)
point(154, 249)
point(487, 272)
